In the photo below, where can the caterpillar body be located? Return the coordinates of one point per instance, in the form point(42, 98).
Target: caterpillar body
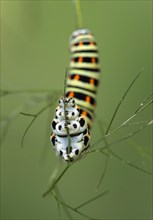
point(74, 115)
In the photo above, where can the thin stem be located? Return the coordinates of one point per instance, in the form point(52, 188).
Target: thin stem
point(27, 114)
point(65, 81)
point(78, 13)
point(139, 109)
point(75, 210)
point(101, 150)
point(135, 123)
point(67, 129)
point(34, 118)
point(103, 173)
point(93, 199)
point(56, 180)
point(58, 204)
point(127, 162)
point(107, 158)
point(58, 195)
point(12, 92)
point(129, 135)
point(66, 121)
point(120, 102)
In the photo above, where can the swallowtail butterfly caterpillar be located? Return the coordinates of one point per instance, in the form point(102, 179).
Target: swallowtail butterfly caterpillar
point(74, 115)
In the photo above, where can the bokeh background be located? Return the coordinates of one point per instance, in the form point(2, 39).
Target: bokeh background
point(34, 57)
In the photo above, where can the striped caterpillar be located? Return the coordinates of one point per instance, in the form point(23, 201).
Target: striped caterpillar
point(74, 115)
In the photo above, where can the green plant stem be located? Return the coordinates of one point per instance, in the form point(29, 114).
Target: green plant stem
point(57, 180)
point(78, 13)
point(123, 97)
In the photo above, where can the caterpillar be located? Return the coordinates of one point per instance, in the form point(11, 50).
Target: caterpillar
point(75, 113)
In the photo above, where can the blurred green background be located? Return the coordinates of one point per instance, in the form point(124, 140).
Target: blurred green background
point(34, 57)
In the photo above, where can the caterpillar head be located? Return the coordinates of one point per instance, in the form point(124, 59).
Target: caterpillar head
point(78, 144)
